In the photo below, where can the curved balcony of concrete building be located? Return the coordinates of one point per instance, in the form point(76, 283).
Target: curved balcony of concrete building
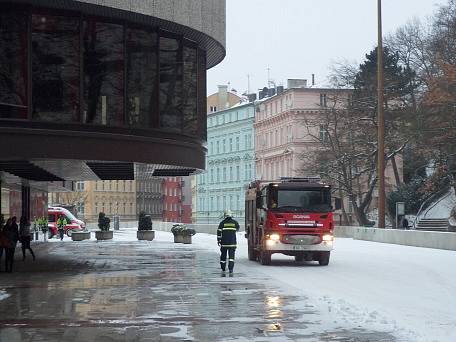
point(104, 84)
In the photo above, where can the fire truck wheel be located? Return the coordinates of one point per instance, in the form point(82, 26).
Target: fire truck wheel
point(265, 258)
point(324, 258)
point(252, 254)
point(299, 258)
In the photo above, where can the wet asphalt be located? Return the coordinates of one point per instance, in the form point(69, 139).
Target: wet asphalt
point(150, 291)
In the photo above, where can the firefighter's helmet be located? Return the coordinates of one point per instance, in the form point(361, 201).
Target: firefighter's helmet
point(227, 213)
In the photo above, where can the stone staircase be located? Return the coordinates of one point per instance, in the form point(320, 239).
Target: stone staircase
point(433, 225)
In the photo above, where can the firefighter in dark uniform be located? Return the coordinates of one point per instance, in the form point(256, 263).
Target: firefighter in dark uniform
point(226, 238)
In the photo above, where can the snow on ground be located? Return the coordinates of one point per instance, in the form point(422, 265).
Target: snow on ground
point(402, 289)
point(408, 291)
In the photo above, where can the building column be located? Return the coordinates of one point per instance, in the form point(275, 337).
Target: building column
point(25, 194)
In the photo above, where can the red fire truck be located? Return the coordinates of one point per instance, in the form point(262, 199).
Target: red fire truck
point(292, 216)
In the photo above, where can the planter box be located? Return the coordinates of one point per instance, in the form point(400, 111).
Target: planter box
point(187, 239)
point(178, 239)
point(80, 236)
point(148, 235)
point(101, 235)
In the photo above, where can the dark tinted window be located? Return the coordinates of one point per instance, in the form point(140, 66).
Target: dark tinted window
point(103, 73)
point(189, 94)
point(13, 65)
point(55, 65)
point(170, 84)
point(202, 100)
point(141, 78)
point(301, 199)
point(51, 218)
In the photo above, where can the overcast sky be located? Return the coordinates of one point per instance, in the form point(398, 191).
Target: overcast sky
point(298, 38)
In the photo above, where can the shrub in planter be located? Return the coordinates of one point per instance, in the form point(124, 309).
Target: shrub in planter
point(35, 230)
point(145, 231)
point(42, 224)
point(80, 236)
point(104, 224)
point(187, 234)
point(182, 234)
point(177, 232)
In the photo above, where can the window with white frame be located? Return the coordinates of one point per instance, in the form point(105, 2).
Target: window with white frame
point(79, 186)
point(324, 134)
point(323, 100)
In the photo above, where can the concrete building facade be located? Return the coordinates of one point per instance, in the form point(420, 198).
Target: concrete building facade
point(90, 88)
point(230, 163)
point(177, 200)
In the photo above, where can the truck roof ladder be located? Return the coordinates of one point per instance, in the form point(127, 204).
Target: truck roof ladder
point(314, 179)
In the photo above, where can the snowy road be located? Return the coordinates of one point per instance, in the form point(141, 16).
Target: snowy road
point(408, 291)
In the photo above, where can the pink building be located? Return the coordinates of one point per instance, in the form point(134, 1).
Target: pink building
point(280, 135)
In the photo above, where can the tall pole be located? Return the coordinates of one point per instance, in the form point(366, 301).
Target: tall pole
point(381, 124)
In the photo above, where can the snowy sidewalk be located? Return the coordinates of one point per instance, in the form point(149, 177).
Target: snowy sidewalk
point(126, 290)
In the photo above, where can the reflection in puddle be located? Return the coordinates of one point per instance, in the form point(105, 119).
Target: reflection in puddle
point(273, 307)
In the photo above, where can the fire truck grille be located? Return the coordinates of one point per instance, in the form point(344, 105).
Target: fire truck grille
point(302, 239)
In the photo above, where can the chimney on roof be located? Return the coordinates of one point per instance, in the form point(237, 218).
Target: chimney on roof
point(222, 97)
point(296, 83)
point(313, 79)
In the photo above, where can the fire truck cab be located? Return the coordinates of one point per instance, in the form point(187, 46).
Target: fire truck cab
point(292, 216)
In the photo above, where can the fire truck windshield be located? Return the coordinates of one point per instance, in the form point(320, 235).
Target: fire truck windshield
point(313, 200)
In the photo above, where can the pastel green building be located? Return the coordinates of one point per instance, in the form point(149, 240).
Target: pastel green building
point(229, 163)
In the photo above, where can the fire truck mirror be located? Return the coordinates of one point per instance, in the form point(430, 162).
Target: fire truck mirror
point(259, 201)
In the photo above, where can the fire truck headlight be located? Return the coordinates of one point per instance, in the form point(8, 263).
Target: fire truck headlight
point(270, 243)
point(274, 237)
point(328, 238)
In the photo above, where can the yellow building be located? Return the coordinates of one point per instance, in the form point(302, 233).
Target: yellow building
point(114, 198)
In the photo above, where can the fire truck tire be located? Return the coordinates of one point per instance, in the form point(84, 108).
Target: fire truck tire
point(252, 254)
point(265, 258)
point(323, 260)
point(299, 258)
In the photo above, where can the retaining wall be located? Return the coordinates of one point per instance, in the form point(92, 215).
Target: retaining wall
point(439, 240)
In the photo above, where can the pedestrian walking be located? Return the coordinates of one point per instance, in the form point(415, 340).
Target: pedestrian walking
point(404, 223)
point(25, 237)
point(11, 231)
point(4, 243)
point(226, 239)
point(61, 223)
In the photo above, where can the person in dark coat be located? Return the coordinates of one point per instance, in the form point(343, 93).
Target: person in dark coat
point(4, 242)
point(25, 237)
point(404, 222)
point(12, 234)
point(226, 239)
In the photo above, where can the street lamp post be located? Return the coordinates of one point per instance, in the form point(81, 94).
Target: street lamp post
point(381, 123)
